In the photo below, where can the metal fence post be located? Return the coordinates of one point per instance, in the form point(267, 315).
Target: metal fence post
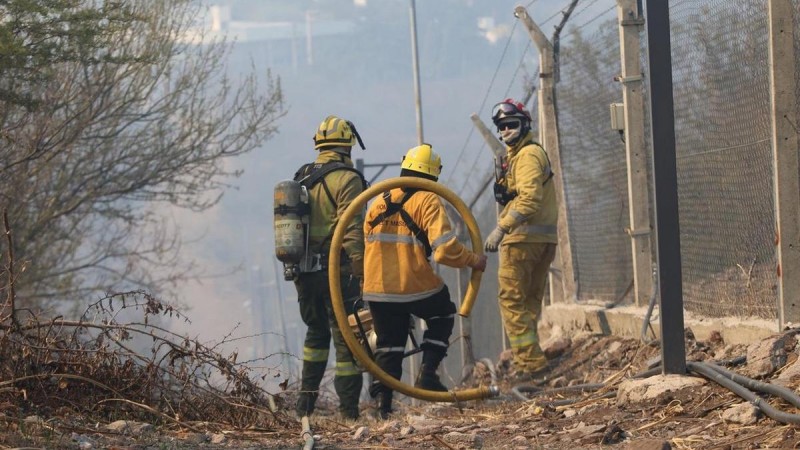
point(783, 89)
point(662, 110)
point(639, 229)
point(549, 137)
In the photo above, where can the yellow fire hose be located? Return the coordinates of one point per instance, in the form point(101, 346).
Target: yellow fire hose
point(466, 307)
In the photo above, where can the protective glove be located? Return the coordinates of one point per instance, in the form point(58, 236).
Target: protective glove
point(494, 239)
point(480, 264)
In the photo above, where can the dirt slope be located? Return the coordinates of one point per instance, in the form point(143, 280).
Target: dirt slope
point(548, 415)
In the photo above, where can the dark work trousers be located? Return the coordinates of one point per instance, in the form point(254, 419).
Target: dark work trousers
point(316, 311)
point(391, 322)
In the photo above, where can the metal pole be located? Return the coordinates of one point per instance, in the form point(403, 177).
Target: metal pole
point(309, 40)
point(665, 173)
point(640, 230)
point(285, 357)
point(782, 38)
point(415, 66)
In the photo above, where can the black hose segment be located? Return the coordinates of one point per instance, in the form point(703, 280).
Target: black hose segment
point(649, 372)
point(650, 305)
point(738, 361)
point(712, 374)
point(767, 388)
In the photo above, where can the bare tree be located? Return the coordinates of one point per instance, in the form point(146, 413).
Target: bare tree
point(107, 112)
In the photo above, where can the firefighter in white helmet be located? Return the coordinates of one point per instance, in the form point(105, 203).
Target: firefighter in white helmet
point(403, 230)
point(525, 235)
point(332, 184)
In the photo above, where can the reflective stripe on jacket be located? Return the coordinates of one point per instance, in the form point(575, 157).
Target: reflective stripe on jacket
point(532, 215)
point(395, 266)
point(344, 186)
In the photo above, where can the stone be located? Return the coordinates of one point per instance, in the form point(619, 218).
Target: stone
point(469, 439)
point(648, 389)
point(768, 355)
point(361, 433)
point(743, 413)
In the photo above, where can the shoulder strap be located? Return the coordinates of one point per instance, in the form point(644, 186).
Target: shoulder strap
point(549, 165)
point(397, 208)
point(310, 174)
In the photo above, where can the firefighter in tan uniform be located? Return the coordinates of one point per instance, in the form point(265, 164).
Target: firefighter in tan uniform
point(525, 236)
point(403, 230)
point(332, 184)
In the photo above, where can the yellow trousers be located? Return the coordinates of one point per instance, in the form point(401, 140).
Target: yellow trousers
point(522, 277)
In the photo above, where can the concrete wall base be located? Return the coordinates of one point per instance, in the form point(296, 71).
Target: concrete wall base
point(627, 321)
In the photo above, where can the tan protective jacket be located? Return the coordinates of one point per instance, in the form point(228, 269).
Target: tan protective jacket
point(532, 215)
point(396, 268)
point(344, 187)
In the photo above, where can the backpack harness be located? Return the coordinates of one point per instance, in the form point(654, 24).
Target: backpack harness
point(501, 194)
point(309, 175)
point(393, 208)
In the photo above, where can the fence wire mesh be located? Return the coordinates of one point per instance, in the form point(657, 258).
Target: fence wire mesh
point(720, 51)
point(593, 162)
point(725, 182)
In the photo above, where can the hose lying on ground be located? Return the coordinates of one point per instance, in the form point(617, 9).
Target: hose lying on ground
point(308, 438)
point(738, 384)
point(716, 374)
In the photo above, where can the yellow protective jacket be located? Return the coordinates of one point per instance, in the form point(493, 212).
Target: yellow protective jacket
point(533, 214)
point(344, 186)
point(396, 268)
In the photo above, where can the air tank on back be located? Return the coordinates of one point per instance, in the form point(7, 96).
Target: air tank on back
point(291, 212)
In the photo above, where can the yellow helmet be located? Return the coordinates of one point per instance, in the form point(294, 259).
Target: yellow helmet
point(423, 159)
point(336, 132)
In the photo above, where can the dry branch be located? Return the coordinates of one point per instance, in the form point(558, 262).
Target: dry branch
point(107, 370)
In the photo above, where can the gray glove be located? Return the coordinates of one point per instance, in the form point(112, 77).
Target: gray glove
point(494, 239)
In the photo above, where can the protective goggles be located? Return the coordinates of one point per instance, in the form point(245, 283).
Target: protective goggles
point(509, 124)
point(508, 107)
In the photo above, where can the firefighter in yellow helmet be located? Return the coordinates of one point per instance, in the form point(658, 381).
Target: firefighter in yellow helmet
point(525, 235)
point(332, 184)
point(403, 230)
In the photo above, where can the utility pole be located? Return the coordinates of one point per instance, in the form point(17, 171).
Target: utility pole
point(415, 66)
point(548, 131)
point(499, 154)
point(639, 230)
point(309, 39)
point(282, 317)
point(782, 66)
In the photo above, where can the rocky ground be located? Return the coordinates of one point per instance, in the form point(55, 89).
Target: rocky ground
point(591, 400)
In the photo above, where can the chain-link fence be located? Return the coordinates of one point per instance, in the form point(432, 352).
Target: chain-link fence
point(724, 156)
point(721, 77)
point(594, 164)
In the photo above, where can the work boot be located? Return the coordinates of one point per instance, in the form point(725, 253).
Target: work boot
point(384, 404)
point(348, 413)
point(533, 377)
point(305, 403)
point(429, 380)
